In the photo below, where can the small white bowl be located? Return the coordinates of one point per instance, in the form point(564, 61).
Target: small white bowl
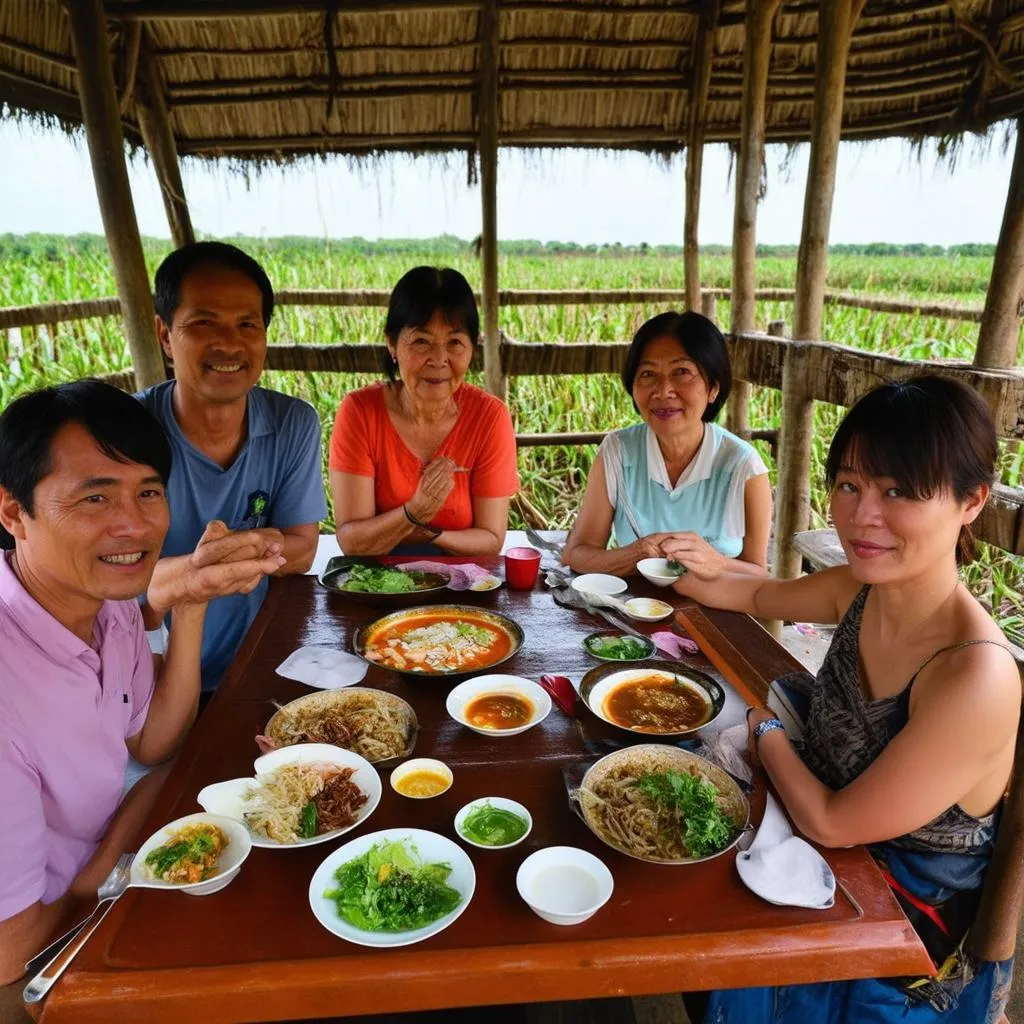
point(501, 803)
point(656, 571)
point(646, 609)
point(230, 863)
point(421, 764)
point(564, 885)
point(465, 693)
point(599, 583)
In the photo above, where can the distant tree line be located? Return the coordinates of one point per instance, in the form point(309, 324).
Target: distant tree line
point(57, 247)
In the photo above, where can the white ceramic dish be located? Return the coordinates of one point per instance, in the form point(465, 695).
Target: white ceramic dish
point(564, 885)
point(431, 847)
point(239, 847)
point(421, 764)
point(646, 609)
point(599, 583)
point(656, 571)
point(232, 798)
point(501, 803)
point(597, 696)
point(465, 693)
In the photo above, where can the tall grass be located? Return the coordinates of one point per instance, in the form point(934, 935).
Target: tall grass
point(552, 478)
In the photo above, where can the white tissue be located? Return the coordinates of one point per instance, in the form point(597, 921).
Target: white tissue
point(325, 668)
point(783, 868)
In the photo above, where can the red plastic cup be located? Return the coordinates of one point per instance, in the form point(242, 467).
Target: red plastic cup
point(521, 568)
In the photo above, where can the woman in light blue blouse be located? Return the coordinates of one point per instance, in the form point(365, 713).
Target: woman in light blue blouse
point(678, 475)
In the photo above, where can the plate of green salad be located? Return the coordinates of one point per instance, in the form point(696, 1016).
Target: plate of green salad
point(393, 887)
point(371, 583)
point(609, 645)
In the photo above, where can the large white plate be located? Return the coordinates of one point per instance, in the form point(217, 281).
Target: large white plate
point(431, 848)
point(230, 798)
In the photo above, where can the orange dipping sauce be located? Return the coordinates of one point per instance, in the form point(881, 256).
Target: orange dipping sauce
point(499, 711)
point(422, 783)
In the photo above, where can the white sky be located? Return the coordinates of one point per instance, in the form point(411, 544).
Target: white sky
point(884, 193)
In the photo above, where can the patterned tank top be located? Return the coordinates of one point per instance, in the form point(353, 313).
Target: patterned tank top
point(844, 734)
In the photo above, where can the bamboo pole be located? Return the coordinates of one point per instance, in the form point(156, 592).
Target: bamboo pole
point(155, 124)
point(1000, 322)
point(757, 51)
point(488, 126)
point(703, 53)
point(106, 150)
point(709, 305)
point(836, 20)
point(793, 494)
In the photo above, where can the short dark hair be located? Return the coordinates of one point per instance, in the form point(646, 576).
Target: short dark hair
point(420, 295)
point(701, 340)
point(123, 428)
point(932, 435)
point(175, 268)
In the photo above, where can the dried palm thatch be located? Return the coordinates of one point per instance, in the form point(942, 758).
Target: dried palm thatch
point(276, 79)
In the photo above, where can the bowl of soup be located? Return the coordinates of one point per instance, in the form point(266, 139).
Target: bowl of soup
point(498, 705)
point(660, 699)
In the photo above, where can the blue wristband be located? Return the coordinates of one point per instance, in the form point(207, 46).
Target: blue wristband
point(768, 725)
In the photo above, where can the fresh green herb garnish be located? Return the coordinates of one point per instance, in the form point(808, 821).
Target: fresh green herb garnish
point(307, 821)
point(493, 826)
point(378, 579)
point(705, 827)
point(387, 889)
point(619, 648)
point(163, 858)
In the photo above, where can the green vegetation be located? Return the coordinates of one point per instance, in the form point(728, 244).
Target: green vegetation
point(42, 268)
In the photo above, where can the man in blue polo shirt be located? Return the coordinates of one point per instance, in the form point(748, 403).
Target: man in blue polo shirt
point(244, 455)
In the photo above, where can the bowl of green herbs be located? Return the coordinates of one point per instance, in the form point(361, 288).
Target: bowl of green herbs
point(373, 583)
point(609, 645)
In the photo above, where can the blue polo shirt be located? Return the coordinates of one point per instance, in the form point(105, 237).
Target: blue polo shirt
point(276, 480)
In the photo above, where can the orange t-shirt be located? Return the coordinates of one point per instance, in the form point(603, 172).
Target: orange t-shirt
point(364, 442)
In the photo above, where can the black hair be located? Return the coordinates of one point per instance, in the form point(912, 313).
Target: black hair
point(932, 435)
point(419, 296)
point(701, 340)
point(175, 268)
point(122, 427)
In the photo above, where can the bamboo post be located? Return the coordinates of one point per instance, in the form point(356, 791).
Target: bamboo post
point(1000, 322)
point(106, 150)
point(793, 493)
point(488, 126)
point(703, 52)
point(836, 19)
point(709, 305)
point(158, 134)
point(757, 50)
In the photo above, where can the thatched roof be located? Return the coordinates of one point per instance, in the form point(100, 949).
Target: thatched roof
point(282, 78)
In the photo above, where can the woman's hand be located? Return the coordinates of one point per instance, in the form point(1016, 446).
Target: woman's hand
point(651, 545)
point(436, 483)
point(695, 553)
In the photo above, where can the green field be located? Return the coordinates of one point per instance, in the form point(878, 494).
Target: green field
point(41, 269)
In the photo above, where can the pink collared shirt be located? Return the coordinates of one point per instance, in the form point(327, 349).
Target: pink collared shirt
point(65, 711)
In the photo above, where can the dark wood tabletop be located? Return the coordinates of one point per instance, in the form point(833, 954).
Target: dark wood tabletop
point(254, 951)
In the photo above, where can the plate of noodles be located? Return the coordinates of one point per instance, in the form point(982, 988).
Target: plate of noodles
point(372, 723)
point(439, 640)
point(300, 796)
point(662, 804)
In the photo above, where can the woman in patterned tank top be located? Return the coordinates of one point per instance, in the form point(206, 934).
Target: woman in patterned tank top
point(912, 719)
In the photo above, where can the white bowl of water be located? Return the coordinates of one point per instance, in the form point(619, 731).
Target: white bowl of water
point(564, 885)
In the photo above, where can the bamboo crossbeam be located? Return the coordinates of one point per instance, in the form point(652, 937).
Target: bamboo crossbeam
point(85, 309)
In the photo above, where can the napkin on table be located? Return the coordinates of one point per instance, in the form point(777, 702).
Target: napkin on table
point(674, 645)
point(325, 668)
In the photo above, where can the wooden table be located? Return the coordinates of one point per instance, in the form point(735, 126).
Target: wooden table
point(254, 951)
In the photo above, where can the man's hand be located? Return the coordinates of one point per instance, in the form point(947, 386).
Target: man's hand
point(222, 563)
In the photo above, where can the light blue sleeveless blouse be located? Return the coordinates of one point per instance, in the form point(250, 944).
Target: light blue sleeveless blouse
point(708, 498)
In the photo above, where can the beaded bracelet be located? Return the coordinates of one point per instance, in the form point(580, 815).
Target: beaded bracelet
point(434, 531)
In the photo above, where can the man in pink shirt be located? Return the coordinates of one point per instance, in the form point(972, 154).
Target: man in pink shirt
point(83, 514)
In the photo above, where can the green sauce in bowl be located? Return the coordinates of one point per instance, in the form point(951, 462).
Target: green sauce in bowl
point(493, 826)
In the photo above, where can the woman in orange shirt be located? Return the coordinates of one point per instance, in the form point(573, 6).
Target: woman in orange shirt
point(424, 463)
